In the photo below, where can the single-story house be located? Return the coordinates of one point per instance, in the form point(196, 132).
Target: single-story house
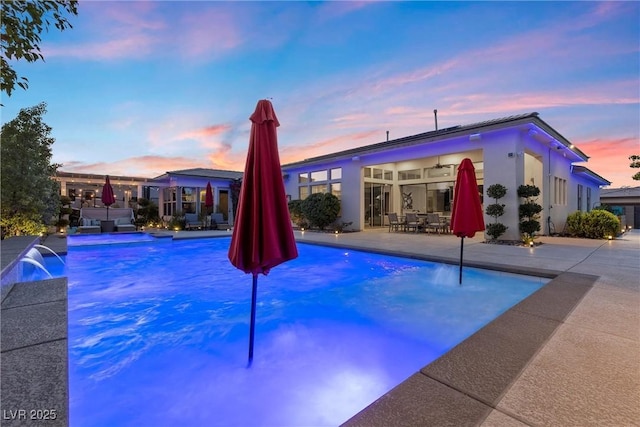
point(184, 191)
point(417, 173)
point(624, 202)
point(85, 189)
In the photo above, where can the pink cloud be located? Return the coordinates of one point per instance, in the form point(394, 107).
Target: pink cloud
point(291, 154)
point(206, 132)
point(141, 166)
point(609, 158)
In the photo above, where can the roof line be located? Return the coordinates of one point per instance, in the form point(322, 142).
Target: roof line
point(425, 135)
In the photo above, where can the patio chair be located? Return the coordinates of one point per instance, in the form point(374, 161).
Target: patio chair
point(412, 222)
point(433, 222)
point(394, 223)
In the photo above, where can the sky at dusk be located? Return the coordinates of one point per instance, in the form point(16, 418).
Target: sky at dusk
point(140, 88)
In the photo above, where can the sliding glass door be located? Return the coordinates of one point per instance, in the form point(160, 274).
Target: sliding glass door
point(377, 200)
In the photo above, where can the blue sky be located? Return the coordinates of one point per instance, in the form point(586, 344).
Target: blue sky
point(140, 88)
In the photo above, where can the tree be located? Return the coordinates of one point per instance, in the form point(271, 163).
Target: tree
point(22, 23)
point(635, 163)
point(321, 209)
point(30, 197)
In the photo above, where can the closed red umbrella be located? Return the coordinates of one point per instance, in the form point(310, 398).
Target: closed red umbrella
point(467, 217)
point(208, 199)
point(208, 196)
point(108, 198)
point(262, 233)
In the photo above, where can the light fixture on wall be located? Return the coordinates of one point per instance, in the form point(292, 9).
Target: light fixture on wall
point(475, 137)
point(438, 165)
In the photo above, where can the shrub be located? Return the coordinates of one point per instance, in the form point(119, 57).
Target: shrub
point(177, 222)
point(295, 211)
point(600, 224)
point(597, 224)
point(321, 209)
point(575, 223)
point(147, 211)
point(22, 224)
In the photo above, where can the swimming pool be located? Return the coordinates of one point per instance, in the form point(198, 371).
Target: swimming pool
point(158, 332)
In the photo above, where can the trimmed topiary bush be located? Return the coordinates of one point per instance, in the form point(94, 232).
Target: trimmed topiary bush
point(321, 209)
point(529, 212)
point(496, 191)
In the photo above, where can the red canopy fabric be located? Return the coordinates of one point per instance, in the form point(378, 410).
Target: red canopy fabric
point(467, 217)
point(262, 232)
point(208, 196)
point(108, 198)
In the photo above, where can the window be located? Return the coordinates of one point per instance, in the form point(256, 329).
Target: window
point(303, 193)
point(440, 172)
point(188, 200)
point(408, 174)
point(169, 201)
point(580, 189)
point(303, 178)
point(318, 176)
point(336, 173)
point(336, 189)
point(588, 199)
point(318, 189)
point(560, 191)
point(377, 173)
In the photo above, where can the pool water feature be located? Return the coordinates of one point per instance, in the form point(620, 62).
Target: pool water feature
point(109, 238)
point(158, 334)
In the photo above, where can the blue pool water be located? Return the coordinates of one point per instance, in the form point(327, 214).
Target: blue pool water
point(158, 332)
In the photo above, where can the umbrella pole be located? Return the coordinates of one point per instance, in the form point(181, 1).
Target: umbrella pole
point(253, 317)
point(461, 250)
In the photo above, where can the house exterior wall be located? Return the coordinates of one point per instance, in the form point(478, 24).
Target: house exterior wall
point(522, 154)
point(178, 182)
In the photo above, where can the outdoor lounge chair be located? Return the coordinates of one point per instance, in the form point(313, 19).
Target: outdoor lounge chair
point(192, 221)
point(88, 225)
point(124, 224)
point(394, 222)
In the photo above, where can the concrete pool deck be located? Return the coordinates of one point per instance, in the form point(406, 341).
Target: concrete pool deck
point(567, 355)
